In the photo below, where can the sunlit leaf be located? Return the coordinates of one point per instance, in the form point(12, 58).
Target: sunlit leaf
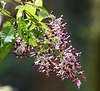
point(32, 26)
point(18, 0)
point(5, 12)
point(7, 35)
point(6, 24)
point(20, 11)
point(33, 18)
point(32, 41)
point(43, 26)
point(38, 2)
point(30, 9)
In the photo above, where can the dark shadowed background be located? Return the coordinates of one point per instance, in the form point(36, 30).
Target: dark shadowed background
point(83, 18)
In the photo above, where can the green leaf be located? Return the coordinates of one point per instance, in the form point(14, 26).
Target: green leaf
point(6, 24)
point(34, 18)
point(37, 34)
point(38, 2)
point(32, 41)
point(42, 9)
point(19, 6)
point(18, 0)
point(5, 49)
point(56, 40)
point(32, 26)
point(30, 9)
point(44, 48)
point(5, 12)
point(43, 26)
point(49, 16)
point(20, 11)
point(22, 27)
point(7, 34)
point(41, 15)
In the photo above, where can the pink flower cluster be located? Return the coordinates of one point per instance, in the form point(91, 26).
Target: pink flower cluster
point(59, 55)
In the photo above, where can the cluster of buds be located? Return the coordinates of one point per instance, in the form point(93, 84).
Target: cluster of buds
point(59, 56)
point(22, 48)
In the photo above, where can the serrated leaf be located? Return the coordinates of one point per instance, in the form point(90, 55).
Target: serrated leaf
point(7, 34)
point(5, 49)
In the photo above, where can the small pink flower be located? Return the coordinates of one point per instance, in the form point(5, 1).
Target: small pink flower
point(78, 83)
point(57, 47)
point(83, 77)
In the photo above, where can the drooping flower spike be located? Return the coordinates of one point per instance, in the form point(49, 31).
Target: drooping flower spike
point(56, 55)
